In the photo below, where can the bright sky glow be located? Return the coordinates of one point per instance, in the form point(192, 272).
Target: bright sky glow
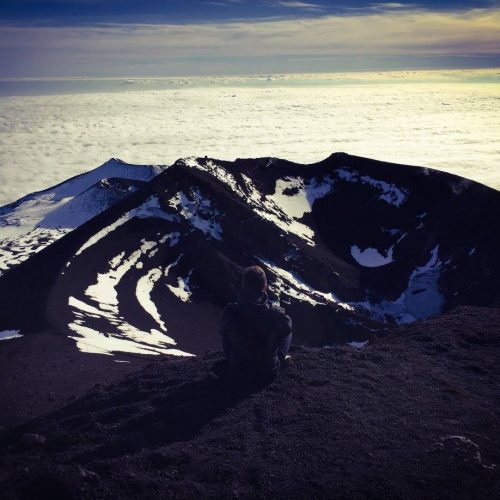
point(163, 38)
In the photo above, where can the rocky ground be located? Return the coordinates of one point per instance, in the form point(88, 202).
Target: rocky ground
point(413, 415)
point(42, 372)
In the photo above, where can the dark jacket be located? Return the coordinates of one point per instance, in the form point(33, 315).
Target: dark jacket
point(252, 333)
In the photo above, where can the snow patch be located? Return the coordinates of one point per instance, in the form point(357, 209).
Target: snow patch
point(143, 291)
point(104, 291)
point(10, 334)
point(423, 298)
point(73, 212)
point(116, 260)
point(358, 345)
point(173, 237)
point(371, 257)
point(389, 193)
point(198, 211)
point(182, 290)
point(73, 202)
point(293, 197)
point(291, 285)
point(94, 342)
point(150, 208)
point(17, 249)
point(420, 300)
point(119, 337)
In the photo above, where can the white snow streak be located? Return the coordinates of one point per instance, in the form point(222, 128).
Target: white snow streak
point(10, 334)
point(389, 193)
point(291, 285)
point(104, 291)
point(130, 339)
point(143, 291)
point(120, 336)
point(150, 208)
point(358, 345)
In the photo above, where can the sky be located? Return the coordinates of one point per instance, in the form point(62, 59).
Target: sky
point(120, 38)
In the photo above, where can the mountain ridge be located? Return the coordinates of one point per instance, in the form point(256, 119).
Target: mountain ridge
point(347, 252)
point(40, 218)
point(393, 390)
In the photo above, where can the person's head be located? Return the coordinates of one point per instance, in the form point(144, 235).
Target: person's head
point(254, 282)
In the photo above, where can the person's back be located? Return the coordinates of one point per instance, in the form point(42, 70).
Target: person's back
point(256, 334)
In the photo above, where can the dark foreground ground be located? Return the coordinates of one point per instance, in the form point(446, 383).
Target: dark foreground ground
point(43, 371)
point(415, 415)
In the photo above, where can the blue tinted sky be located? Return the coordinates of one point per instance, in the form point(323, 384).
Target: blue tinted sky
point(64, 12)
point(95, 38)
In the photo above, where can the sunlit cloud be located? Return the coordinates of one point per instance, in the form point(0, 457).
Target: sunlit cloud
point(300, 5)
point(396, 117)
point(223, 3)
point(396, 32)
point(390, 5)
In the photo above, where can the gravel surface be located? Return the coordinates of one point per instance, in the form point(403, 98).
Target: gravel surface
point(413, 415)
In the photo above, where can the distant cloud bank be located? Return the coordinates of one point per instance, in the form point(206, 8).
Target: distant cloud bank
point(446, 121)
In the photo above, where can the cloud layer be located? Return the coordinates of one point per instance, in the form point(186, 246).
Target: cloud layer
point(450, 126)
point(169, 48)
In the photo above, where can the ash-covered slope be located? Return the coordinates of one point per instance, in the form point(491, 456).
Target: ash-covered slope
point(415, 415)
point(38, 219)
point(347, 243)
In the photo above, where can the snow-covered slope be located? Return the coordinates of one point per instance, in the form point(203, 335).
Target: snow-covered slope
point(36, 220)
point(349, 245)
point(387, 223)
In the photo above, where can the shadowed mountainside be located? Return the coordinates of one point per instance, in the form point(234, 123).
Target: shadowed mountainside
point(414, 415)
point(141, 264)
point(350, 245)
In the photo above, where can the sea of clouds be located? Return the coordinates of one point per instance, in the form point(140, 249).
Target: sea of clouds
point(447, 125)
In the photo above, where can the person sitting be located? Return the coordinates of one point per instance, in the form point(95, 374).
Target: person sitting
point(256, 334)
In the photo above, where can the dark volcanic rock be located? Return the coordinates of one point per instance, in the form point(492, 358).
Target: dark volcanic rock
point(350, 245)
point(414, 415)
